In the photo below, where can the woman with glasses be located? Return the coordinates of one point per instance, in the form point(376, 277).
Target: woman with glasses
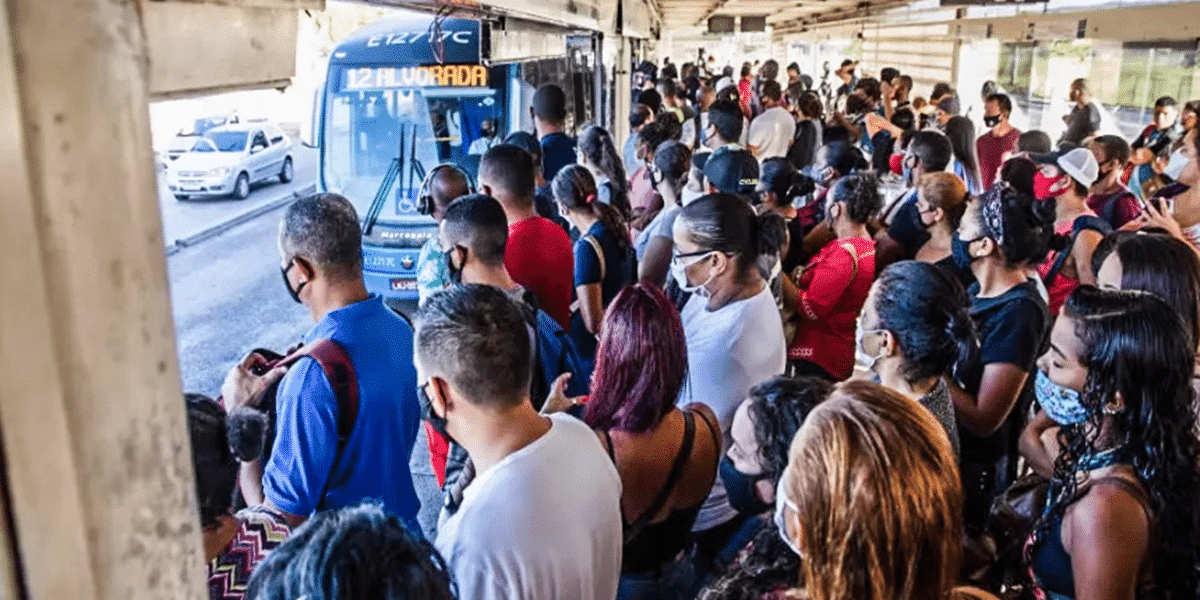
point(831, 290)
point(733, 330)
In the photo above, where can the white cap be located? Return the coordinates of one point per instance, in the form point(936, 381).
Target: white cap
point(1081, 165)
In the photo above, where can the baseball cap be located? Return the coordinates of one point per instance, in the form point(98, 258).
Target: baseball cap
point(1079, 163)
point(733, 171)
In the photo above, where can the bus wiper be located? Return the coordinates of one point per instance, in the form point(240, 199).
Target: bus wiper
point(389, 179)
point(393, 173)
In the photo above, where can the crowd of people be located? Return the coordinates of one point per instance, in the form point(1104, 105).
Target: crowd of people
point(762, 349)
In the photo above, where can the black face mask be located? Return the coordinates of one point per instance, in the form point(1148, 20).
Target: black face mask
point(741, 489)
point(454, 272)
point(991, 121)
point(437, 422)
point(487, 133)
point(295, 294)
point(908, 229)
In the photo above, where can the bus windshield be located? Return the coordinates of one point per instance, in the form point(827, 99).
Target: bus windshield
point(367, 117)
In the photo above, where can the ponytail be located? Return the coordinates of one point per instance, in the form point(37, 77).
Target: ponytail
point(614, 223)
point(961, 331)
point(770, 233)
point(575, 188)
point(597, 145)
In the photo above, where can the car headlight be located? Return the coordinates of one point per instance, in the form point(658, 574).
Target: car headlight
point(219, 171)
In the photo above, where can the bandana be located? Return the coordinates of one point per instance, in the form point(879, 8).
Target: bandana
point(992, 212)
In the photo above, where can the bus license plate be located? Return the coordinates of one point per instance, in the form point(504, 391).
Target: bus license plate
point(404, 285)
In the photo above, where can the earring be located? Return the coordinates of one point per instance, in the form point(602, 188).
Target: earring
point(1110, 410)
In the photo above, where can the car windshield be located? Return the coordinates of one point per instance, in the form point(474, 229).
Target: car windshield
point(365, 130)
point(228, 141)
point(203, 145)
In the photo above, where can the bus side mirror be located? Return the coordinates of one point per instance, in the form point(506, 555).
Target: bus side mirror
point(310, 127)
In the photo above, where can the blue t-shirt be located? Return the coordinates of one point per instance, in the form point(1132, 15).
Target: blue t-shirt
point(558, 151)
point(620, 270)
point(374, 463)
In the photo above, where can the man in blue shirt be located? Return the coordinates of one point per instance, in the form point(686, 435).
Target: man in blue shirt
point(321, 249)
point(549, 113)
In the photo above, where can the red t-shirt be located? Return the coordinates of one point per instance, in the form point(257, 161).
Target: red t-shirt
point(1118, 206)
point(539, 257)
point(833, 289)
point(990, 150)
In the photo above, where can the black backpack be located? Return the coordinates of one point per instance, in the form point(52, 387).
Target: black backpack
point(1080, 225)
point(339, 371)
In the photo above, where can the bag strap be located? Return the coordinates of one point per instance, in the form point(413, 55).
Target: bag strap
point(339, 372)
point(595, 243)
point(1081, 223)
point(664, 494)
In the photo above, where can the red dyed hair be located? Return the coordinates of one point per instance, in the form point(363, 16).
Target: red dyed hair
point(641, 362)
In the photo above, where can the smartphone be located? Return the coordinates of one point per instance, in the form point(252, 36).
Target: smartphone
point(1162, 205)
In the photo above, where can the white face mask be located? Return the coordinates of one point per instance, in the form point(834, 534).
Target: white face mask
point(782, 501)
point(1176, 165)
point(679, 272)
point(861, 358)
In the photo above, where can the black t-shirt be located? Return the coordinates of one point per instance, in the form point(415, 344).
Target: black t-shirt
point(1012, 329)
point(795, 254)
point(1083, 122)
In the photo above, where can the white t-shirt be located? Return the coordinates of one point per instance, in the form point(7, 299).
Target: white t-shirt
point(772, 133)
point(729, 351)
point(544, 522)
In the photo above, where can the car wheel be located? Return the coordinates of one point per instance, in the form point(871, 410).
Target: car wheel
point(241, 189)
point(288, 173)
point(181, 196)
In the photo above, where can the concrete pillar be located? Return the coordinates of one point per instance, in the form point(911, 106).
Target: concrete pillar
point(95, 446)
point(622, 90)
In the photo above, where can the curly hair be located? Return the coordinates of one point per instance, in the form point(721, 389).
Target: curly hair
point(859, 192)
point(778, 407)
point(1136, 346)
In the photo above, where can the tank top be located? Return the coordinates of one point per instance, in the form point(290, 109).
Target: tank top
point(1049, 562)
point(649, 546)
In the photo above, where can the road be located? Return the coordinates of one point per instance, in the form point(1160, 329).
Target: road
point(183, 218)
point(228, 298)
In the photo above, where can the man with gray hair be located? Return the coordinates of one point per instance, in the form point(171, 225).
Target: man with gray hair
point(542, 519)
point(320, 247)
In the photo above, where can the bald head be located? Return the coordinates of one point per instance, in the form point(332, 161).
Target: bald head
point(446, 185)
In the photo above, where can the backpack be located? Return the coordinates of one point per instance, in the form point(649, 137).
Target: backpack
point(339, 372)
point(1081, 224)
point(801, 153)
point(554, 355)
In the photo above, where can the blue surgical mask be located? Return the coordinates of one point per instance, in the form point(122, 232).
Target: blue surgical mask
point(1063, 405)
point(960, 253)
point(782, 501)
point(861, 358)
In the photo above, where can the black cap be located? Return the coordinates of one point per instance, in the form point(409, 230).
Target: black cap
point(732, 171)
point(699, 159)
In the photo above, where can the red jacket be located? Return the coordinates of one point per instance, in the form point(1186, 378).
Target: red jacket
point(833, 288)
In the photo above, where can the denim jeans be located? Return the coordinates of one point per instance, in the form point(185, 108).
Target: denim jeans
point(674, 581)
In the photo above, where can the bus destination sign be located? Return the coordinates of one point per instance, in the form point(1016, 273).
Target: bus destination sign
point(381, 78)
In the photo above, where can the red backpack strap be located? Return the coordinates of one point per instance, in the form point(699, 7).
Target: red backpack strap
point(339, 372)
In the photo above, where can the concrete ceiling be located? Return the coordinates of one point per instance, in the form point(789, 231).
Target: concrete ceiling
point(689, 16)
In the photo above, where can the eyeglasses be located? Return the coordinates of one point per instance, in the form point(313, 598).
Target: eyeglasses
point(699, 255)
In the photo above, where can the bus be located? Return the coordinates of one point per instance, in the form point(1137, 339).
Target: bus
point(405, 94)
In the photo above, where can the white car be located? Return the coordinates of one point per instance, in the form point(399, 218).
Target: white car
point(227, 160)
